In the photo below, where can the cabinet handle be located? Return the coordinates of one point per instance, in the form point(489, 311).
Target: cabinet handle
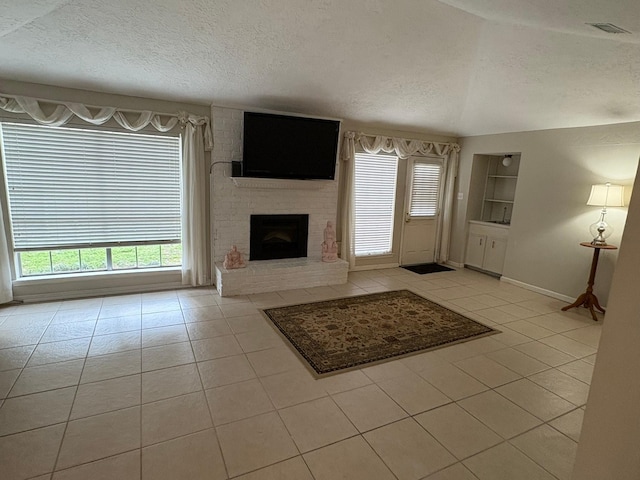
point(481, 241)
point(493, 244)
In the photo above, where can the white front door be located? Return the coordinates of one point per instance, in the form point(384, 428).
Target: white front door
point(421, 210)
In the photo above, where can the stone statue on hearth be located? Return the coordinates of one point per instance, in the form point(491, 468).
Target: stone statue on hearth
point(329, 246)
point(233, 259)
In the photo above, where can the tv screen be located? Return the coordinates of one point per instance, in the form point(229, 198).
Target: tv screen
point(281, 146)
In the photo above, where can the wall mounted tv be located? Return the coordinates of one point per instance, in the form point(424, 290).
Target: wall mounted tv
point(281, 146)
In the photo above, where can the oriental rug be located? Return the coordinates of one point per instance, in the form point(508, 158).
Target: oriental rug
point(349, 332)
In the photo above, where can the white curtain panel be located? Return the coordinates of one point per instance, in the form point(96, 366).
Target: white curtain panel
point(347, 214)
point(196, 140)
point(195, 270)
point(6, 290)
point(449, 182)
point(403, 148)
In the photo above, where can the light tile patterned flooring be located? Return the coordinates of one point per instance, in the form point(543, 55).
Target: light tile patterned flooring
point(187, 385)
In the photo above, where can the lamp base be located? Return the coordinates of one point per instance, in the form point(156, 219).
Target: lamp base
point(601, 231)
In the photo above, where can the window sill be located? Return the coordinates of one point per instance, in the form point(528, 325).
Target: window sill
point(375, 255)
point(88, 276)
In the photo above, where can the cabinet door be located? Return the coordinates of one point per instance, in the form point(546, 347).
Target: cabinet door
point(475, 250)
point(494, 254)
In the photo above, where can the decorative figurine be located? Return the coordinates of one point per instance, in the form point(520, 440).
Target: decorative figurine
point(233, 259)
point(329, 246)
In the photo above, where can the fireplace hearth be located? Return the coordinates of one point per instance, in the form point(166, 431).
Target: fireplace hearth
point(278, 236)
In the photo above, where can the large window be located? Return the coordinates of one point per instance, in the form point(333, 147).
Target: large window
point(375, 193)
point(88, 200)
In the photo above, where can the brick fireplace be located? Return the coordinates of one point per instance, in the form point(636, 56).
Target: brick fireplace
point(234, 203)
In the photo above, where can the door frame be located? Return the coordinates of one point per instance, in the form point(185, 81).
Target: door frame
point(439, 160)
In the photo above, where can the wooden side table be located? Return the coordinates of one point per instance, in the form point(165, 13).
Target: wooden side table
point(588, 299)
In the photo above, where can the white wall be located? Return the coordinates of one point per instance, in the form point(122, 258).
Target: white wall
point(608, 448)
point(550, 217)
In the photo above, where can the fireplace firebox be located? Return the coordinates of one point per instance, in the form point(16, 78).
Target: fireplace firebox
point(278, 236)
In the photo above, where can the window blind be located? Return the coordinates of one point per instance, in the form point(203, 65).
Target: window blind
point(425, 189)
point(74, 188)
point(375, 193)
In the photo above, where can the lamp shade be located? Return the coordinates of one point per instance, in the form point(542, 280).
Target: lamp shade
point(606, 195)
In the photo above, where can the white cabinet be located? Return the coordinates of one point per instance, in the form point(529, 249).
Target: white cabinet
point(486, 246)
point(475, 249)
point(494, 254)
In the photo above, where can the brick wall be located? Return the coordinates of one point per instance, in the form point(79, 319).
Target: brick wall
point(232, 206)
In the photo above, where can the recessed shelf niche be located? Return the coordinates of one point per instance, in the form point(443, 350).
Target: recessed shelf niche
point(500, 189)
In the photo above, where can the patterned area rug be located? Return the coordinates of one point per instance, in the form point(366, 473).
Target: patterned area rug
point(350, 332)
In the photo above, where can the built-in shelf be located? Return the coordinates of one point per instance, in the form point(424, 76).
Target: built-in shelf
point(499, 188)
point(250, 182)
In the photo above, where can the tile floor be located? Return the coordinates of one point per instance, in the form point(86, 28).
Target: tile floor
point(187, 385)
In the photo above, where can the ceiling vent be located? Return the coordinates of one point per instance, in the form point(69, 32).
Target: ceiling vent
point(608, 27)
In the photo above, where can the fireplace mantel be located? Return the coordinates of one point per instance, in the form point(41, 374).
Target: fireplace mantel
point(280, 183)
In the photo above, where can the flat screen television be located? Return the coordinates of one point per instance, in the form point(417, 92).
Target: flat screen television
point(281, 146)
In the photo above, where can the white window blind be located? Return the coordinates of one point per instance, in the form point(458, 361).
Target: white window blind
point(425, 189)
point(375, 193)
point(73, 188)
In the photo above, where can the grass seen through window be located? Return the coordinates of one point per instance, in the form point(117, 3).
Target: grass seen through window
point(96, 259)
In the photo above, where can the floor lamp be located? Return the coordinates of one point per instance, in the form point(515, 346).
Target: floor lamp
point(604, 195)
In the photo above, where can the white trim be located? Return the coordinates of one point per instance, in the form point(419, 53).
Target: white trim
point(40, 289)
point(376, 255)
point(280, 183)
point(91, 276)
point(454, 264)
point(533, 288)
point(374, 267)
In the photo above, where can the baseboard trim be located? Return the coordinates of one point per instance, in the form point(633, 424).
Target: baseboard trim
point(96, 292)
point(533, 288)
point(374, 267)
point(454, 264)
point(95, 284)
point(485, 272)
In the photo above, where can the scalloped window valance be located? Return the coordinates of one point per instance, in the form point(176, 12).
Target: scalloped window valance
point(402, 147)
point(65, 111)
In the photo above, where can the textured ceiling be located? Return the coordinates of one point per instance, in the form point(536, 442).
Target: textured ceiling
point(461, 67)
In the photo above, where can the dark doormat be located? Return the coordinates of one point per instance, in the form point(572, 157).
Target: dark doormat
point(350, 332)
point(427, 268)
